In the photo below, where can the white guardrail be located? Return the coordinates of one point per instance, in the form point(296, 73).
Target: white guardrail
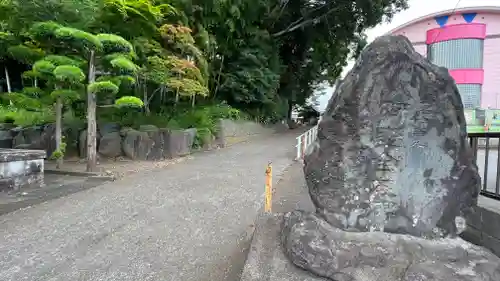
point(304, 141)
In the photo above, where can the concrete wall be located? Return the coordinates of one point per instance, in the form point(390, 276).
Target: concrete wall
point(483, 226)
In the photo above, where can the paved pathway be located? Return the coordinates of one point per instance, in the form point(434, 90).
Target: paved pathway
point(187, 222)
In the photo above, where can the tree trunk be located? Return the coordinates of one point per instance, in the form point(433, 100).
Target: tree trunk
point(176, 97)
point(59, 131)
point(7, 80)
point(146, 100)
point(218, 78)
point(290, 110)
point(193, 97)
point(91, 119)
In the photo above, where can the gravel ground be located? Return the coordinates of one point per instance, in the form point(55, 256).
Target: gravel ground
point(189, 221)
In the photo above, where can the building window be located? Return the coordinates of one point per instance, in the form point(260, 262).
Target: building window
point(456, 54)
point(470, 94)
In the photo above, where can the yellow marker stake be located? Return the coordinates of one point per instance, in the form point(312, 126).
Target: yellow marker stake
point(269, 188)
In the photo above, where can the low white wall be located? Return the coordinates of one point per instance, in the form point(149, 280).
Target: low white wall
point(15, 175)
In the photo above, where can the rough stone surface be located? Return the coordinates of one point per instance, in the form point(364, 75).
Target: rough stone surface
point(137, 145)
point(391, 176)
point(109, 128)
point(6, 138)
point(177, 143)
point(21, 168)
point(9, 155)
point(110, 145)
point(156, 136)
point(191, 133)
point(317, 246)
point(392, 153)
point(19, 139)
point(47, 140)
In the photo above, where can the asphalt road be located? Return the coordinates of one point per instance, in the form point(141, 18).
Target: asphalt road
point(187, 222)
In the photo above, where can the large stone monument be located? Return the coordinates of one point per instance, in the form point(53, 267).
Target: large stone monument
point(392, 178)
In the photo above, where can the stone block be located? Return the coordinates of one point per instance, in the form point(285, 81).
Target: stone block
point(6, 138)
point(137, 145)
point(21, 168)
point(106, 128)
point(157, 138)
point(364, 256)
point(177, 143)
point(110, 145)
point(387, 152)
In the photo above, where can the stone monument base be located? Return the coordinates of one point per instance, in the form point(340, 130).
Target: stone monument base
point(349, 256)
point(21, 168)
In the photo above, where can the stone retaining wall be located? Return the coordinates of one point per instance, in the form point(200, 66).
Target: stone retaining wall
point(483, 226)
point(146, 143)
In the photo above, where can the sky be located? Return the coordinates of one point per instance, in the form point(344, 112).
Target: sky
point(417, 8)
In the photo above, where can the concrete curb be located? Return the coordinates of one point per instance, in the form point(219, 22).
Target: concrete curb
point(89, 175)
point(70, 173)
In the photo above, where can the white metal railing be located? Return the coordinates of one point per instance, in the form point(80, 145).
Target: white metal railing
point(304, 141)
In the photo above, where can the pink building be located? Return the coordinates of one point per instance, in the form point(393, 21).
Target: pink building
point(467, 42)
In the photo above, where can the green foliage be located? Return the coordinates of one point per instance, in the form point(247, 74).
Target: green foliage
point(61, 151)
point(63, 60)
point(122, 65)
point(66, 94)
point(224, 111)
point(25, 54)
point(78, 39)
point(42, 31)
point(198, 118)
point(257, 59)
point(69, 74)
point(129, 101)
point(25, 118)
point(115, 44)
point(44, 68)
point(103, 87)
point(22, 100)
point(21, 14)
point(202, 135)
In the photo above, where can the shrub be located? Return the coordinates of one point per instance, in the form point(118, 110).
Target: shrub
point(224, 111)
point(25, 118)
point(197, 118)
point(201, 135)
